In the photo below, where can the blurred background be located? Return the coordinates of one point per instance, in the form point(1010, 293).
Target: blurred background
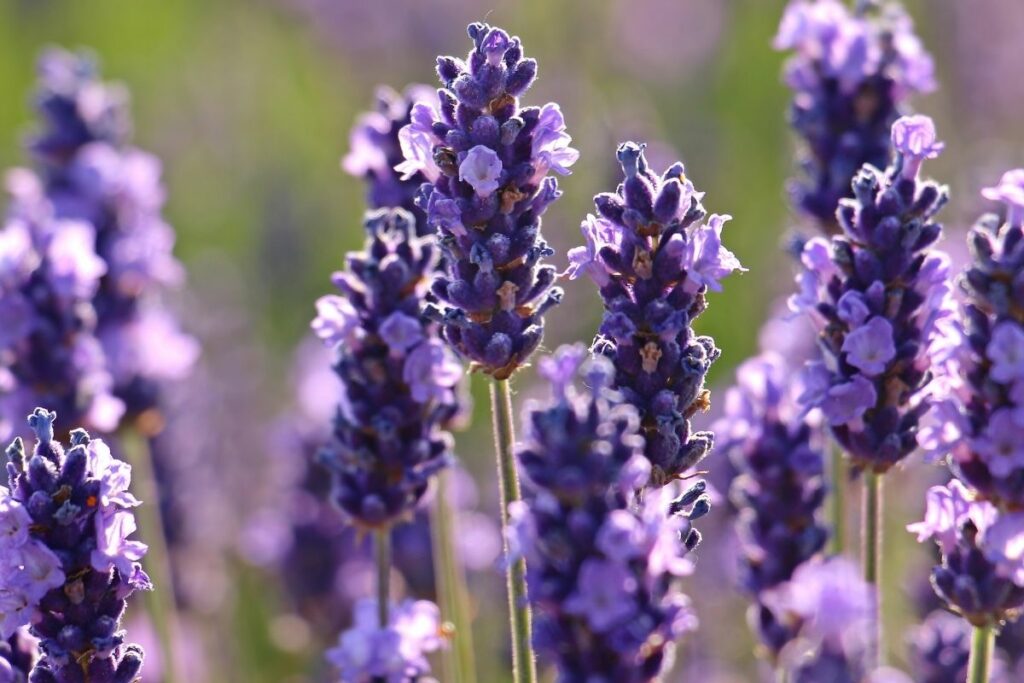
point(249, 105)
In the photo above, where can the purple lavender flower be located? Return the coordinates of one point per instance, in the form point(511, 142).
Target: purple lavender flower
point(91, 173)
point(981, 575)
point(851, 75)
point(487, 162)
point(830, 608)
point(880, 299)
point(367, 653)
point(396, 399)
point(979, 422)
point(49, 352)
point(374, 151)
point(780, 488)
point(653, 260)
point(601, 563)
point(68, 562)
point(17, 656)
point(939, 649)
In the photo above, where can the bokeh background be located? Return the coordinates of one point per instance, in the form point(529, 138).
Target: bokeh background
point(249, 104)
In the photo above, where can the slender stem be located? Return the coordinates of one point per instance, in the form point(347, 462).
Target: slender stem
point(451, 587)
point(871, 530)
point(524, 669)
point(837, 502)
point(981, 654)
point(382, 548)
point(160, 602)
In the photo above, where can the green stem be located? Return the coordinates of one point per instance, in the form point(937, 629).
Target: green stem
point(872, 550)
point(524, 669)
point(382, 548)
point(160, 602)
point(837, 503)
point(981, 654)
point(451, 587)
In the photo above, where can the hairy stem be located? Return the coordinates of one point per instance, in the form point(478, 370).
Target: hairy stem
point(524, 669)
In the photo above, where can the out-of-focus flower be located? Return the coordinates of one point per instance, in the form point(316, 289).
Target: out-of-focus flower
point(68, 564)
point(601, 564)
point(17, 655)
point(654, 260)
point(488, 161)
point(852, 73)
point(940, 647)
point(397, 653)
point(880, 297)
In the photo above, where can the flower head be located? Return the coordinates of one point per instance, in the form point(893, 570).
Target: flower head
point(487, 162)
point(1010, 191)
point(915, 139)
point(75, 550)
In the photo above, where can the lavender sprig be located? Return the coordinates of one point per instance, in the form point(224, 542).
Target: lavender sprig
point(602, 565)
point(780, 488)
point(397, 378)
point(90, 172)
point(979, 422)
point(851, 74)
point(68, 563)
point(879, 296)
point(487, 160)
point(49, 352)
point(654, 261)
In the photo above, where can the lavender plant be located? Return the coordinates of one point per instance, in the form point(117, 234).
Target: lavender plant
point(981, 575)
point(49, 352)
point(487, 161)
point(979, 421)
point(602, 564)
point(780, 488)
point(68, 562)
point(90, 172)
point(654, 261)
point(828, 608)
point(851, 74)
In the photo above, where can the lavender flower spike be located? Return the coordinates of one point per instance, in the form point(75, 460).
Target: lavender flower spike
point(851, 74)
point(91, 173)
point(982, 571)
point(780, 488)
point(654, 260)
point(979, 422)
point(367, 653)
point(398, 378)
point(49, 352)
point(68, 564)
point(487, 162)
point(880, 298)
point(602, 565)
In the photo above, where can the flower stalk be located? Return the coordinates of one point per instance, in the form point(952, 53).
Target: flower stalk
point(980, 663)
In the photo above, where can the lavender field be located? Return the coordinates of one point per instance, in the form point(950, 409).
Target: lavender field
point(593, 341)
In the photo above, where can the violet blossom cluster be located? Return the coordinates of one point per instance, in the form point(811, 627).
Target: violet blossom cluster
point(487, 162)
point(780, 487)
point(49, 352)
point(980, 420)
point(91, 173)
point(398, 378)
point(981, 575)
point(829, 608)
point(880, 298)
point(654, 259)
point(397, 653)
point(601, 563)
point(852, 73)
point(68, 564)
point(375, 151)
